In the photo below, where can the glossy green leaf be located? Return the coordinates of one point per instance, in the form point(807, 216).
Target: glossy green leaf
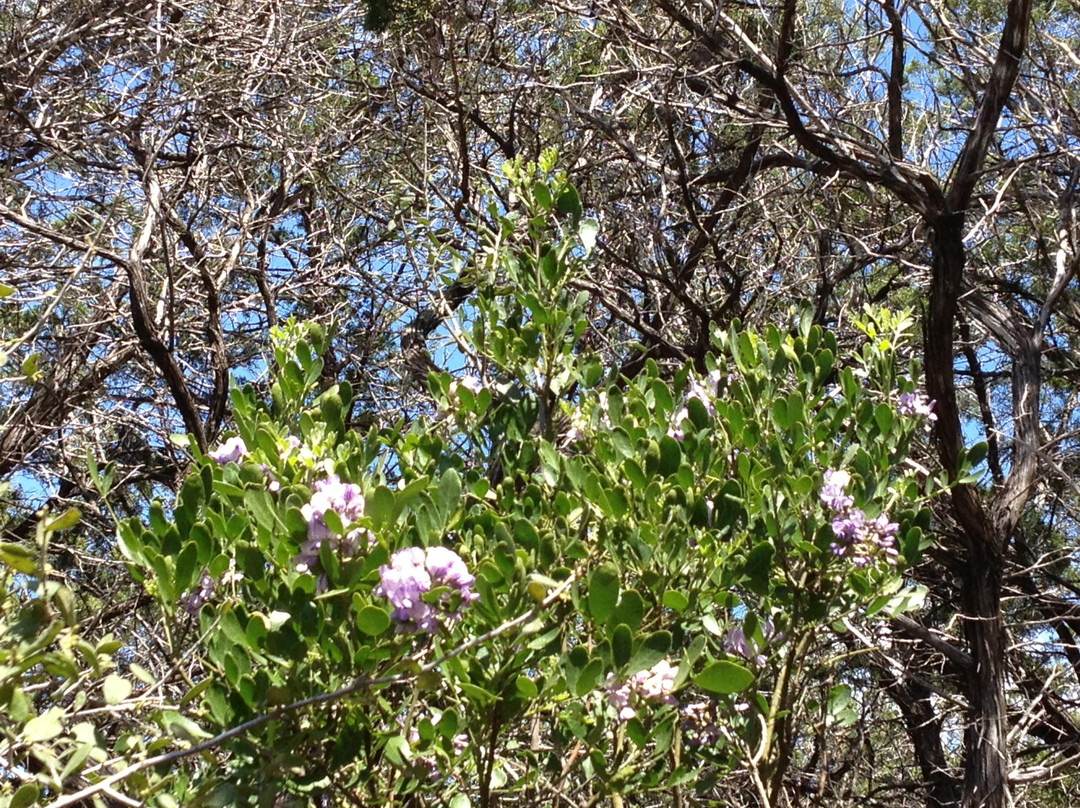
point(589, 678)
point(603, 591)
point(724, 677)
point(883, 416)
point(68, 518)
point(621, 644)
point(44, 727)
point(631, 609)
point(372, 620)
point(115, 689)
point(676, 600)
point(651, 650)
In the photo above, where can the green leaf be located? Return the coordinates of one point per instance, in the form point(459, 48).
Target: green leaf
point(185, 566)
point(840, 708)
point(372, 620)
point(6, 291)
point(261, 506)
point(30, 367)
point(883, 415)
point(622, 641)
point(759, 566)
point(19, 558)
point(587, 232)
point(45, 726)
point(676, 600)
point(542, 195)
point(652, 649)
point(116, 689)
point(977, 454)
point(780, 414)
point(28, 793)
point(526, 687)
point(379, 507)
point(603, 591)
point(589, 678)
point(68, 518)
point(569, 203)
point(592, 373)
point(631, 609)
point(460, 801)
point(141, 673)
point(449, 492)
point(180, 726)
point(670, 456)
point(724, 677)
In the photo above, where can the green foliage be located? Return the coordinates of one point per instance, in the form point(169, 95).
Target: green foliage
point(645, 552)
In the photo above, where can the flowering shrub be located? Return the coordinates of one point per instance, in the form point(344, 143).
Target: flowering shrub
point(550, 567)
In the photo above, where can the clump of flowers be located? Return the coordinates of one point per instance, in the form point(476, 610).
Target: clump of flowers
point(204, 590)
point(736, 642)
point(699, 724)
point(347, 501)
point(651, 686)
point(916, 405)
point(412, 573)
point(206, 587)
point(231, 451)
point(857, 537)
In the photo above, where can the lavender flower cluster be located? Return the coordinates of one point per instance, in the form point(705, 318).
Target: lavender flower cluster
point(653, 686)
point(231, 451)
point(193, 601)
point(206, 587)
point(700, 724)
point(736, 642)
point(916, 405)
point(344, 499)
point(414, 571)
point(857, 537)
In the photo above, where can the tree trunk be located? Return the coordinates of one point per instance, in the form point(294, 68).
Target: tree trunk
point(985, 754)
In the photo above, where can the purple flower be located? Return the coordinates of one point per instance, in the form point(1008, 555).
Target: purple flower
point(849, 526)
point(916, 405)
point(347, 501)
point(411, 573)
point(231, 451)
point(654, 685)
point(699, 723)
point(856, 537)
point(447, 569)
point(833, 494)
point(738, 644)
point(193, 601)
